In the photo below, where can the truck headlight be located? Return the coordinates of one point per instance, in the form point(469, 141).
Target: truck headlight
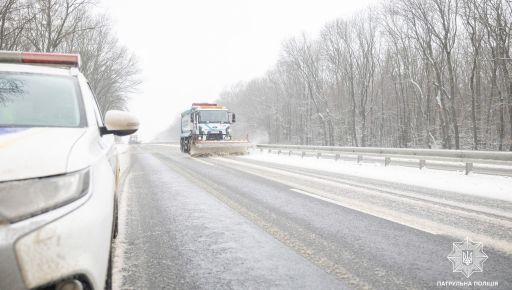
point(25, 198)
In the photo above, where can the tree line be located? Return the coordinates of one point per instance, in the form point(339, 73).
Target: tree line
point(73, 26)
point(408, 73)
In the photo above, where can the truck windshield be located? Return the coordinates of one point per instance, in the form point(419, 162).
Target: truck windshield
point(213, 116)
point(39, 100)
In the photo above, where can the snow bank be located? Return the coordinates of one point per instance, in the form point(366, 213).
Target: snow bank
point(494, 187)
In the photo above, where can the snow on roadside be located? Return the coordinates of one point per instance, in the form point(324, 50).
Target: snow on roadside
point(494, 187)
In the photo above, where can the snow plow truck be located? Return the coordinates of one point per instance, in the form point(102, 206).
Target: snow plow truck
point(206, 130)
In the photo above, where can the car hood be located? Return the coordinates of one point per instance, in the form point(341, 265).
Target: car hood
point(36, 152)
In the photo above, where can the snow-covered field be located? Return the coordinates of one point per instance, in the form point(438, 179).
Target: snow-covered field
point(495, 187)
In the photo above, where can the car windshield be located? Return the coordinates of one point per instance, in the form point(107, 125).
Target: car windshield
point(38, 100)
point(213, 116)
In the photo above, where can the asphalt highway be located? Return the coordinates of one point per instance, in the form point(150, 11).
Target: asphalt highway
point(234, 223)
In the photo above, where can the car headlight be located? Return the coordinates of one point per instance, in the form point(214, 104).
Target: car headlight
point(25, 198)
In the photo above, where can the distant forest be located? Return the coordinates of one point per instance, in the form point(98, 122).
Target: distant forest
point(408, 73)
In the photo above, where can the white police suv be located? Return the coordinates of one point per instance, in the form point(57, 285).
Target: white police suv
point(58, 170)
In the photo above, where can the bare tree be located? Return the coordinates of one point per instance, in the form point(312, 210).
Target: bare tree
point(304, 55)
point(70, 26)
point(55, 20)
point(475, 35)
point(14, 19)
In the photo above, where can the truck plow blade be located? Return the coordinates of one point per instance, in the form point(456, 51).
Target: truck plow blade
point(219, 147)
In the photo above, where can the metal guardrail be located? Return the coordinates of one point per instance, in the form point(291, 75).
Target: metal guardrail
point(422, 155)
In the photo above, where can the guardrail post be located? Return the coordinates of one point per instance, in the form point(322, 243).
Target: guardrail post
point(387, 160)
point(469, 167)
point(261, 149)
point(269, 150)
point(302, 154)
point(337, 157)
point(422, 163)
point(290, 153)
point(359, 158)
point(278, 152)
point(318, 155)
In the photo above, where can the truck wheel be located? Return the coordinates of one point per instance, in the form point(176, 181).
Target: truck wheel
point(188, 145)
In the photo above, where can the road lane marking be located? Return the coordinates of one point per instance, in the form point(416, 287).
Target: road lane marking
point(386, 217)
point(378, 211)
point(478, 212)
point(202, 161)
point(411, 194)
point(406, 193)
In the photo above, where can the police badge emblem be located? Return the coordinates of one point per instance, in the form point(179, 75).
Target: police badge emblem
point(467, 257)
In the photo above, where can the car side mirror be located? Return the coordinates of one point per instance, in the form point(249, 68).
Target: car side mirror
point(233, 118)
point(120, 123)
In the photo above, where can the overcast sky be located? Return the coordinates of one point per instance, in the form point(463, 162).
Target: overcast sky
point(190, 50)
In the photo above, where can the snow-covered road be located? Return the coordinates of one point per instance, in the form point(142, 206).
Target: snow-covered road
point(262, 221)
